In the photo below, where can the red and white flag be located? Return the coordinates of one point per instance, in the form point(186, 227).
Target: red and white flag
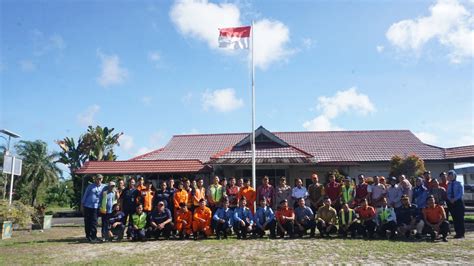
point(234, 38)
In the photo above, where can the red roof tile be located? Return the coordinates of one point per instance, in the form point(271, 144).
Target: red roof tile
point(460, 152)
point(143, 166)
point(330, 146)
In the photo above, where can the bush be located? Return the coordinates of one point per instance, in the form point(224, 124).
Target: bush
point(19, 213)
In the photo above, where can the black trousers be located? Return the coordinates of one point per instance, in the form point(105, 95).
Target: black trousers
point(222, 228)
point(137, 234)
point(156, 232)
point(270, 226)
point(389, 226)
point(443, 229)
point(322, 228)
point(90, 222)
point(311, 225)
point(241, 230)
point(289, 227)
point(457, 211)
point(366, 228)
point(352, 229)
point(117, 230)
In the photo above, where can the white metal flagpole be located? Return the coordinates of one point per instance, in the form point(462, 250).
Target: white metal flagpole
point(254, 170)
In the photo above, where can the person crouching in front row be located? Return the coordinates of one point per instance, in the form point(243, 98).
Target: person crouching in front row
point(326, 218)
point(285, 220)
point(137, 224)
point(160, 222)
point(223, 220)
point(183, 221)
point(202, 220)
point(243, 220)
point(264, 219)
point(116, 224)
point(348, 222)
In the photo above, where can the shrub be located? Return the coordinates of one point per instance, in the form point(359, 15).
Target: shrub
point(18, 213)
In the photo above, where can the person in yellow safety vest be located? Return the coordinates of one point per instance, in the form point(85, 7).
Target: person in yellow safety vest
point(137, 224)
point(347, 192)
point(386, 220)
point(347, 221)
point(214, 194)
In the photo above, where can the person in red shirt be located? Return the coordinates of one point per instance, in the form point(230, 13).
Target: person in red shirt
point(285, 217)
point(232, 193)
point(361, 190)
point(443, 180)
point(435, 220)
point(333, 191)
point(366, 215)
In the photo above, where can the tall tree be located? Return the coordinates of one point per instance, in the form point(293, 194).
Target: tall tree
point(39, 165)
point(97, 144)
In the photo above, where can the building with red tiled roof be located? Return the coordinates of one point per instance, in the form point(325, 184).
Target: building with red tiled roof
point(292, 154)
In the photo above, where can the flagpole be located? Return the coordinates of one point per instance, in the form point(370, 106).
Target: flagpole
point(254, 170)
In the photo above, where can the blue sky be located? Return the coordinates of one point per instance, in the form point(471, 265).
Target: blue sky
point(152, 69)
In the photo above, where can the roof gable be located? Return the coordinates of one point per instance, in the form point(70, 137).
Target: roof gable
point(262, 135)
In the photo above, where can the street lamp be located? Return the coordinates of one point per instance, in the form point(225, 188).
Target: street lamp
point(7, 152)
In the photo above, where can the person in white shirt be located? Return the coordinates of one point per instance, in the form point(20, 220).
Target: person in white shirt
point(298, 192)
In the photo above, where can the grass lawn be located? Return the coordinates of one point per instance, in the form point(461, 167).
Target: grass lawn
point(65, 245)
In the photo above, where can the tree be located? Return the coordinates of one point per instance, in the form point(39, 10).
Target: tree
point(39, 166)
point(60, 194)
point(410, 166)
point(96, 144)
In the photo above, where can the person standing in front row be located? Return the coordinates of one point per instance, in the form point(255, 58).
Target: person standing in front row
point(90, 207)
point(456, 203)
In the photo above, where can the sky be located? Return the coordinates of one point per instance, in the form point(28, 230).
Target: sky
point(153, 69)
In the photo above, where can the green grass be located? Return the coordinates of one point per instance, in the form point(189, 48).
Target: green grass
point(467, 218)
point(66, 246)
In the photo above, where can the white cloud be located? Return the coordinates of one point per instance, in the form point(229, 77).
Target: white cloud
point(111, 71)
point(157, 139)
point(348, 101)
point(449, 23)
point(380, 48)
point(186, 99)
point(126, 142)
point(223, 100)
point(271, 38)
point(193, 131)
point(42, 43)
point(201, 20)
point(87, 118)
point(154, 56)
point(27, 65)
point(142, 151)
point(427, 137)
point(146, 100)
point(308, 43)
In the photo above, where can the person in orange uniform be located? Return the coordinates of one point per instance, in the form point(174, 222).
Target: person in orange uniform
point(199, 192)
point(285, 217)
point(146, 197)
point(180, 196)
point(202, 220)
point(249, 193)
point(183, 221)
point(435, 220)
point(141, 184)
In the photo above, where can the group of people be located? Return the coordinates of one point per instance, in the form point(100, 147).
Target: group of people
point(370, 208)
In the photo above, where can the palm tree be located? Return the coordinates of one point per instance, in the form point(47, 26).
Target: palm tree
point(96, 144)
point(39, 166)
